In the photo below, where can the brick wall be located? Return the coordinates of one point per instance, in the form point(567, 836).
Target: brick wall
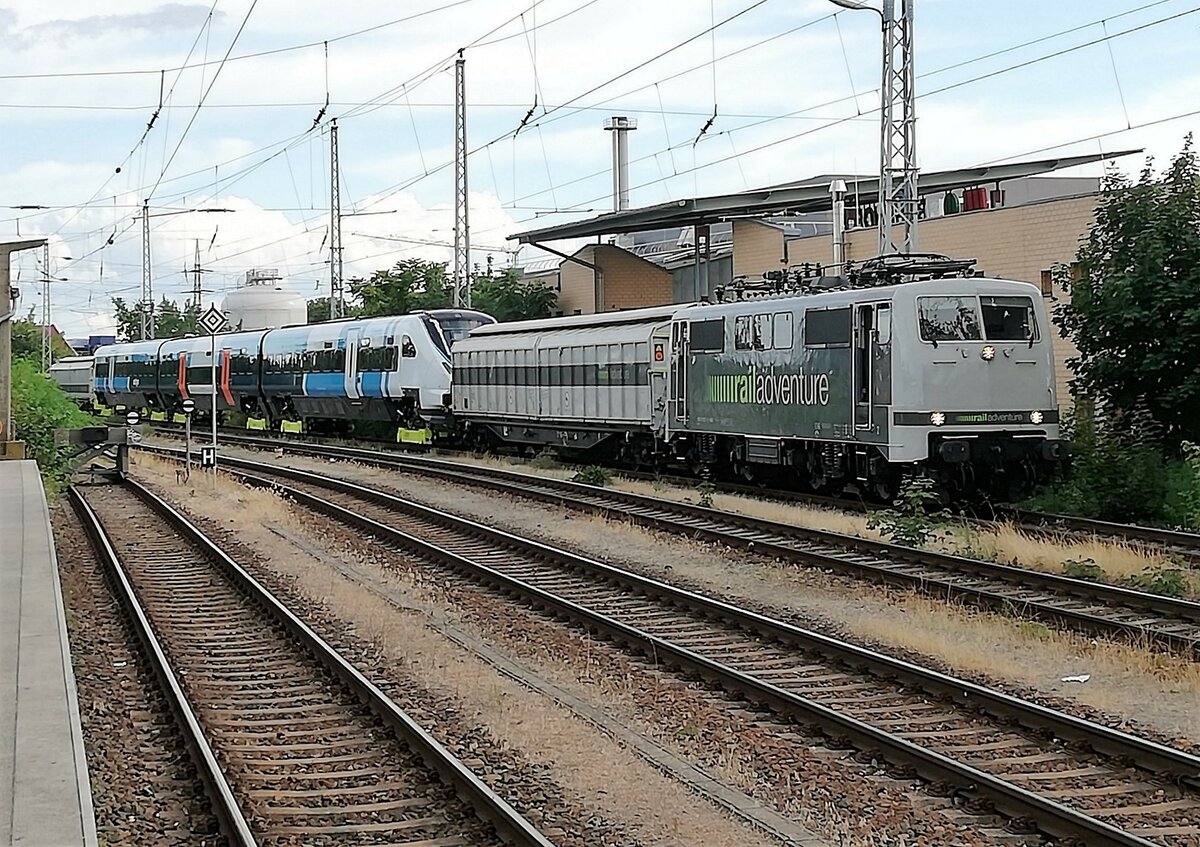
point(1017, 242)
point(577, 284)
point(630, 282)
point(626, 282)
point(757, 247)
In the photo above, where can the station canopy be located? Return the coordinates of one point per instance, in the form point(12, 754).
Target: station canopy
point(810, 195)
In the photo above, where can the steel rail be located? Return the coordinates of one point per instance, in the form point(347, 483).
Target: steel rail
point(876, 560)
point(1053, 818)
point(1034, 522)
point(228, 812)
point(488, 806)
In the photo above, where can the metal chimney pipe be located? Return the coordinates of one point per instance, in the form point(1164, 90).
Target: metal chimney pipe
point(837, 189)
point(619, 125)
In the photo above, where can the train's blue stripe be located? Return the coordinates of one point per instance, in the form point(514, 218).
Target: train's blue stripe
point(370, 384)
point(324, 385)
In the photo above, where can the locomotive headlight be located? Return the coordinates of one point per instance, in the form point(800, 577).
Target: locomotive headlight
point(988, 353)
point(1035, 417)
point(937, 418)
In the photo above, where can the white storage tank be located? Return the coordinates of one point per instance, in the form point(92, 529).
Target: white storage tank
point(263, 303)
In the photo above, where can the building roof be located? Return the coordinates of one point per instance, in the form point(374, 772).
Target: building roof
point(810, 195)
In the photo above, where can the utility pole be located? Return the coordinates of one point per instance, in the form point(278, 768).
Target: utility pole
point(197, 291)
point(898, 202)
point(147, 310)
point(337, 301)
point(7, 310)
point(462, 233)
point(46, 357)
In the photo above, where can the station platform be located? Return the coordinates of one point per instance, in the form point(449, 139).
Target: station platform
point(45, 796)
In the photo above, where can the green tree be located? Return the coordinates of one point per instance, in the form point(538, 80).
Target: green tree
point(27, 341)
point(318, 310)
point(409, 285)
point(1134, 313)
point(170, 320)
point(507, 297)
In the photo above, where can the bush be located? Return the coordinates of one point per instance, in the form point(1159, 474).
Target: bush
point(593, 475)
point(1120, 473)
point(39, 407)
point(910, 521)
point(705, 492)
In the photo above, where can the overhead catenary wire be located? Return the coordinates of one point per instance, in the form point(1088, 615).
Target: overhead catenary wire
point(200, 104)
point(957, 84)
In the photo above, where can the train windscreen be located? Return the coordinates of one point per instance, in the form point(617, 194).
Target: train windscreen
point(456, 324)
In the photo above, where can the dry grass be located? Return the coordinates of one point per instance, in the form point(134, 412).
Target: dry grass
point(1002, 542)
point(1006, 543)
point(1160, 690)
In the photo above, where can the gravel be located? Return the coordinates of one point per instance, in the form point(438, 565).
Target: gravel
point(144, 788)
point(848, 801)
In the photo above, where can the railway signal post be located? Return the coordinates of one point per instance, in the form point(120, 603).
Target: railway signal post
point(213, 321)
point(189, 406)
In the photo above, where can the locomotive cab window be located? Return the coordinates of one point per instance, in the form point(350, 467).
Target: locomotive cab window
point(827, 328)
point(707, 336)
point(949, 319)
point(407, 349)
point(1008, 318)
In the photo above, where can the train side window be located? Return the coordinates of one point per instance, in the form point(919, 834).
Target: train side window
point(883, 324)
point(949, 319)
point(743, 332)
point(707, 336)
point(782, 331)
point(407, 349)
point(763, 336)
point(827, 328)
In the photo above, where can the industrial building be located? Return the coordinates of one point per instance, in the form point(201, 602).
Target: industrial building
point(1018, 221)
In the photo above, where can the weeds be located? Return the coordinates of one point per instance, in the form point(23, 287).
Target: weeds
point(1170, 582)
point(1083, 569)
point(1036, 631)
point(910, 522)
point(546, 460)
point(704, 494)
point(593, 475)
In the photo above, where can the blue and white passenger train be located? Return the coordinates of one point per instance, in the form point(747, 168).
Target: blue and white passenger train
point(392, 369)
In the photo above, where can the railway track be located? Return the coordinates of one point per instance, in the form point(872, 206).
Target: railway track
point(1184, 544)
point(1068, 778)
point(292, 743)
point(1081, 605)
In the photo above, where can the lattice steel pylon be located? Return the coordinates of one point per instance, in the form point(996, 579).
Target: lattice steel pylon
point(898, 202)
point(337, 298)
point(147, 310)
point(462, 233)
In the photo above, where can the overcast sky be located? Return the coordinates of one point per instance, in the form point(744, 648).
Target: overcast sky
point(795, 91)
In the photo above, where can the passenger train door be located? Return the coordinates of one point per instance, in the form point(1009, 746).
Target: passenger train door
point(351, 364)
point(679, 372)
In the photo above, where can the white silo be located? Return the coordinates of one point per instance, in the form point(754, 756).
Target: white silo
point(261, 302)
